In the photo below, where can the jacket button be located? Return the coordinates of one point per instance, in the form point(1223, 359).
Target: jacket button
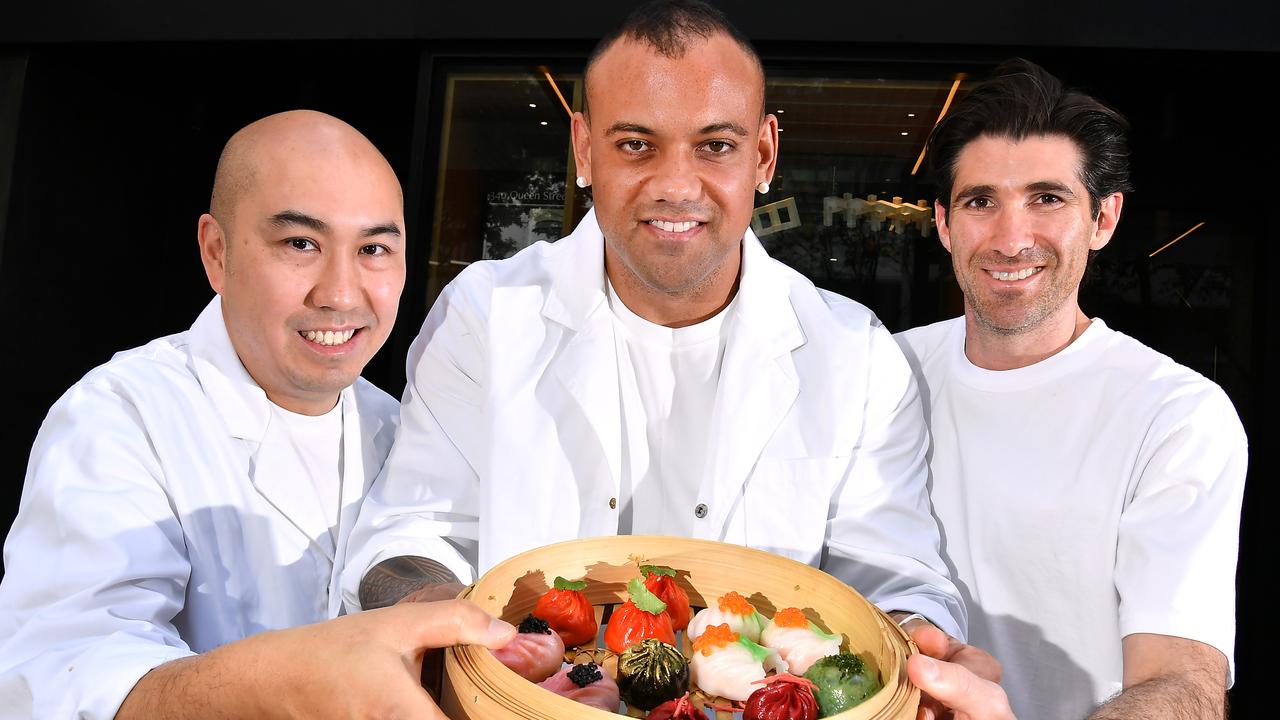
point(700, 511)
point(613, 503)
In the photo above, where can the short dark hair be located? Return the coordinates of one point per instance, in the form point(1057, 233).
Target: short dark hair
point(1023, 99)
point(668, 26)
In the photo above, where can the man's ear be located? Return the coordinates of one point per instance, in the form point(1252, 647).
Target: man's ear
point(767, 145)
point(581, 135)
point(213, 251)
point(944, 232)
point(1108, 218)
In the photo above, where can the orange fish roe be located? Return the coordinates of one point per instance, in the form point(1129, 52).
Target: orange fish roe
point(732, 602)
point(791, 617)
point(715, 636)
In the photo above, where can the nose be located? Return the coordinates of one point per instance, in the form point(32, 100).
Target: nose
point(338, 285)
point(1014, 231)
point(675, 178)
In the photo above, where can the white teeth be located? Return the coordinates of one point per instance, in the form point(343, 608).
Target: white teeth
point(1016, 275)
point(674, 226)
point(328, 337)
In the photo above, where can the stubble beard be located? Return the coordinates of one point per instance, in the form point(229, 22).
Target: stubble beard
point(675, 274)
point(1013, 313)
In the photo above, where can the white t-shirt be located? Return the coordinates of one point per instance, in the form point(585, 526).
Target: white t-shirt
point(1086, 497)
point(668, 379)
point(307, 446)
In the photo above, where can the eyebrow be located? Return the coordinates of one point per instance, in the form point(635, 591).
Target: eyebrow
point(287, 218)
point(712, 129)
point(1052, 186)
point(625, 127)
point(290, 218)
point(387, 228)
point(974, 191)
point(729, 127)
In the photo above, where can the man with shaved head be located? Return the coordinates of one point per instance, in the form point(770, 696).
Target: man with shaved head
point(188, 501)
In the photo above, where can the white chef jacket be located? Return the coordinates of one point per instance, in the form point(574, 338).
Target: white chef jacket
point(511, 432)
point(143, 534)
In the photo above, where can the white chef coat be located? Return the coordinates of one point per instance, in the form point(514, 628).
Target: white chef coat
point(1089, 496)
point(146, 534)
point(511, 430)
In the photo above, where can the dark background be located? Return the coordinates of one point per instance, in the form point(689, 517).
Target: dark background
point(112, 115)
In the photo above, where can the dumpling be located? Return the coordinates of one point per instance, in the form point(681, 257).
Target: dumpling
point(843, 681)
point(587, 684)
point(727, 664)
point(797, 640)
point(652, 672)
point(733, 610)
point(535, 653)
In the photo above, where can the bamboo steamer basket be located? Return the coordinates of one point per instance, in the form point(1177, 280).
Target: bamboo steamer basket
point(477, 686)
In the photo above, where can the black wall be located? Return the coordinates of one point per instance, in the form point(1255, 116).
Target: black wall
point(112, 115)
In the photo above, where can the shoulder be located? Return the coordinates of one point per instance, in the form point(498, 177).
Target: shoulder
point(163, 363)
point(840, 334)
point(532, 265)
point(922, 345)
point(1178, 395)
point(823, 310)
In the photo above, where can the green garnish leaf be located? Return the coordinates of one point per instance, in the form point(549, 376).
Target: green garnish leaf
point(818, 631)
point(644, 599)
point(562, 584)
point(657, 570)
point(757, 652)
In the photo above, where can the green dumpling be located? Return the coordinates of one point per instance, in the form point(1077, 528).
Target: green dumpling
point(843, 682)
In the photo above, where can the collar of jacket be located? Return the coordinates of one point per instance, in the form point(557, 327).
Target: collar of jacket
point(239, 400)
point(763, 308)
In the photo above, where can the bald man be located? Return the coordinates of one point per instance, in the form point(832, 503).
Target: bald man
point(198, 491)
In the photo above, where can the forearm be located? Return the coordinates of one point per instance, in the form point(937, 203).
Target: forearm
point(391, 580)
point(1169, 698)
point(222, 684)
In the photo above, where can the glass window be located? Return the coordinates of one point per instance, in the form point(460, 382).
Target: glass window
point(506, 167)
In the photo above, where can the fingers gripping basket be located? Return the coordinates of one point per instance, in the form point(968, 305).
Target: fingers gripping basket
point(476, 685)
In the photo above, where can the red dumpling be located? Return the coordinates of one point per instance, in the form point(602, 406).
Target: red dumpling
point(784, 697)
point(643, 616)
point(568, 612)
point(661, 581)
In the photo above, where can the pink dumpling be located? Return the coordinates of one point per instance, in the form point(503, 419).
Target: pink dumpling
point(535, 653)
point(587, 684)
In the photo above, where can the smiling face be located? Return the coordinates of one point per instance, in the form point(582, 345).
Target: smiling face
point(1019, 230)
point(310, 261)
point(673, 148)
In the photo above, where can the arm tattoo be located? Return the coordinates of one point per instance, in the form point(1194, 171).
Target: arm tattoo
point(390, 580)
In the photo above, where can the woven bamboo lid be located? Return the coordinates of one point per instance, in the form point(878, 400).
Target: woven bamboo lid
point(476, 685)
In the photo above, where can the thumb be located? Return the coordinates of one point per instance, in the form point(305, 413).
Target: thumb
point(451, 622)
point(958, 688)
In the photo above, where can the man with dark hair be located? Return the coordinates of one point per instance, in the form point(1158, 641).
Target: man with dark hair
point(655, 372)
point(188, 503)
point(1088, 488)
